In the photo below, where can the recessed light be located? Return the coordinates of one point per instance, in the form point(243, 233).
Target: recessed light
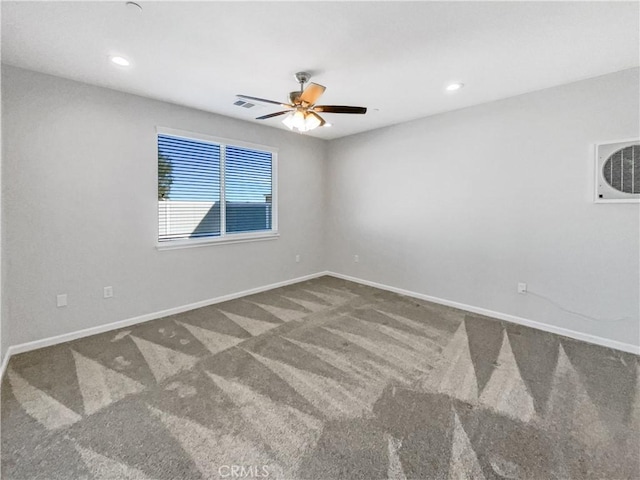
point(120, 61)
point(327, 124)
point(454, 86)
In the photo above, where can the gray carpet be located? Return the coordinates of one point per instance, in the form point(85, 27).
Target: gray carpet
point(324, 379)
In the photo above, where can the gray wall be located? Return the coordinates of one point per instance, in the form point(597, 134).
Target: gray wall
point(461, 206)
point(80, 207)
point(4, 340)
point(464, 205)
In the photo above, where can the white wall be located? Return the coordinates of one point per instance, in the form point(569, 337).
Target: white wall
point(463, 205)
point(80, 209)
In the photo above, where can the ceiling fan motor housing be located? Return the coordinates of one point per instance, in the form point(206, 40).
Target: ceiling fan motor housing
point(294, 97)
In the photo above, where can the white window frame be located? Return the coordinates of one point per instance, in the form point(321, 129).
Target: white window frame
point(224, 237)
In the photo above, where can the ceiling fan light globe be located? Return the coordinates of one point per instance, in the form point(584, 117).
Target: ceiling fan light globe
point(298, 120)
point(302, 121)
point(311, 122)
point(295, 121)
point(288, 121)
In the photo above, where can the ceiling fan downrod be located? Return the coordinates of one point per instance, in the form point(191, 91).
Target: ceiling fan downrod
point(302, 78)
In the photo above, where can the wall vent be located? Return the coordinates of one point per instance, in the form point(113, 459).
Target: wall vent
point(617, 177)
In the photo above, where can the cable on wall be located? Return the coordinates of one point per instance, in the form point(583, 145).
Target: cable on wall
point(578, 314)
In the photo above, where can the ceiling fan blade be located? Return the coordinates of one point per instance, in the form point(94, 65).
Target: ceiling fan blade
point(264, 100)
point(312, 93)
point(264, 117)
point(339, 109)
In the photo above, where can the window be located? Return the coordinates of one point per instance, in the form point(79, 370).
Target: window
point(211, 190)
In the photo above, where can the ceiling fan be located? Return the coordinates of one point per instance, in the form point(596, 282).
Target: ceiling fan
point(302, 109)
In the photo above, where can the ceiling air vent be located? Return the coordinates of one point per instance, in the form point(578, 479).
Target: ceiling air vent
point(618, 172)
point(242, 103)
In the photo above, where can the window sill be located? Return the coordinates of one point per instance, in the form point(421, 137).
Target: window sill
point(205, 242)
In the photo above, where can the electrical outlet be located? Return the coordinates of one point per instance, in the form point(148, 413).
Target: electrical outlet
point(522, 288)
point(62, 300)
point(297, 258)
point(108, 292)
point(356, 258)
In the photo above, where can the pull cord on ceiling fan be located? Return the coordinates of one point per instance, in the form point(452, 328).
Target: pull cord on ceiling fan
point(302, 110)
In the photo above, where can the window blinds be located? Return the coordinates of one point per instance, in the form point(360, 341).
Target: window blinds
point(247, 190)
point(207, 189)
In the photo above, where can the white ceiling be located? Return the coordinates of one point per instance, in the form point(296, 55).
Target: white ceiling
point(394, 58)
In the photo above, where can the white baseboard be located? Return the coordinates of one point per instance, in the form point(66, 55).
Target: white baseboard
point(5, 362)
point(67, 337)
point(585, 337)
